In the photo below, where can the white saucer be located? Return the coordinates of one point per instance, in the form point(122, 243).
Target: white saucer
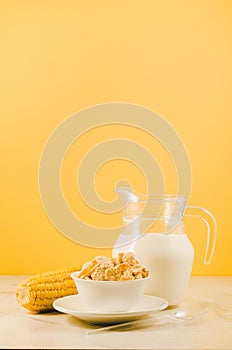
point(72, 305)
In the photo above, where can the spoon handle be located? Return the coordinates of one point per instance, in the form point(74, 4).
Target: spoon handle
point(131, 324)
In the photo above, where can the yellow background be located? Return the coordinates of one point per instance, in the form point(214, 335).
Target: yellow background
point(58, 57)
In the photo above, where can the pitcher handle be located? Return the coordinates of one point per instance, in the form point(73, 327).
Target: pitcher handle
point(211, 230)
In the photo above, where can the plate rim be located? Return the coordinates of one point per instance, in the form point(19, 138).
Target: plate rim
point(110, 314)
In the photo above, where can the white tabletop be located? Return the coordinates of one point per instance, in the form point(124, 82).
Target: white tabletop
point(21, 329)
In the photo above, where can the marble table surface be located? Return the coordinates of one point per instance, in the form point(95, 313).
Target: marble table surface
point(22, 329)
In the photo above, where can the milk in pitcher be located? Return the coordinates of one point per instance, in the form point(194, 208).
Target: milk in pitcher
point(169, 257)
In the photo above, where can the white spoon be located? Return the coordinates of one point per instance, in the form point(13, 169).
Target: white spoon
point(188, 313)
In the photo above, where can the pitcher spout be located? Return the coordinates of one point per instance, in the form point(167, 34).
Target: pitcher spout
point(126, 195)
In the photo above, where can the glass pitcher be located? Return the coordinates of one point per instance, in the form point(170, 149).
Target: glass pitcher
point(154, 231)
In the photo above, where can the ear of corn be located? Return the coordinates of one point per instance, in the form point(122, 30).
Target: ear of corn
point(37, 293)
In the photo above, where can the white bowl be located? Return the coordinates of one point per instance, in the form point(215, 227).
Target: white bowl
point(109, 296)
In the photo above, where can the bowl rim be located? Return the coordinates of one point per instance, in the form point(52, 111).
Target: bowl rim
point(110, 282)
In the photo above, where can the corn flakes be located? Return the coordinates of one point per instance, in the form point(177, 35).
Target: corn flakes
point(121, 268)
